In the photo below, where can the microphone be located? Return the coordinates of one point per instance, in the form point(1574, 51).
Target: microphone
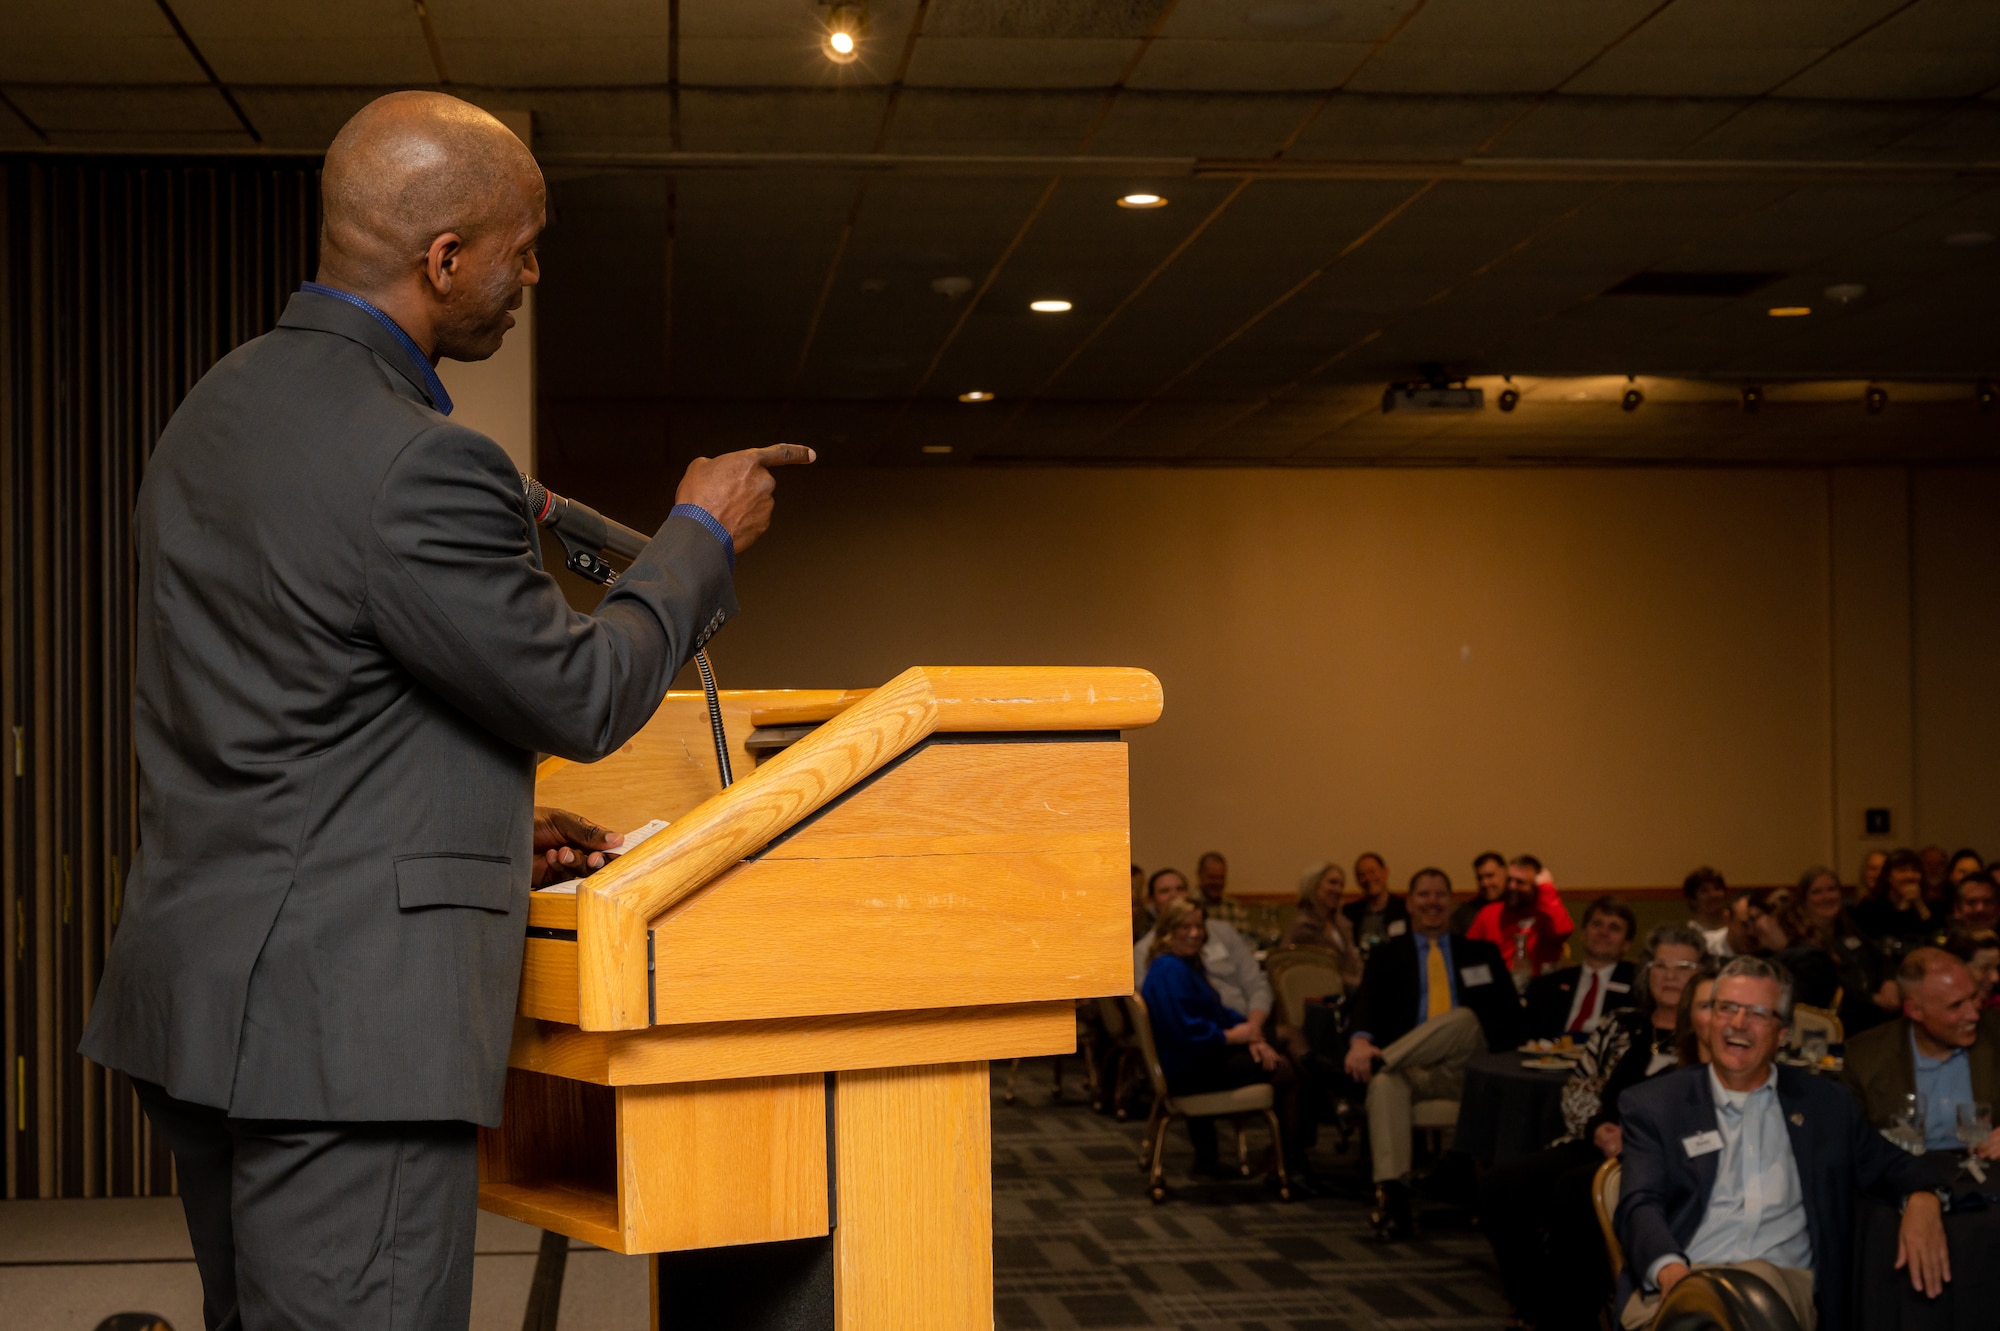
point(586, 534)
point(579, 525)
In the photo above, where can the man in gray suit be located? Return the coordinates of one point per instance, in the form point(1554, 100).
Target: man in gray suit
point(348, 657)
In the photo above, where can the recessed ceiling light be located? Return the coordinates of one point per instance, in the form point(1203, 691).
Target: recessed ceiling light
point(976, 395)
point(1049, 306)
point(1846, 293)
point(937, 448)
point(1967, 239)
point(843, 33)
point(1789, 311)
point(1142, 201)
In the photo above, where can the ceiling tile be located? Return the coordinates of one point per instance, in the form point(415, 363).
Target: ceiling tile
point(788, 120)
point(1863, 71)
point(1633, 70)
point(302, 119)
point(1210, 125)
point(790, 62)
point(365, 42)
point(1392, 128)
point(945, 120)
point(1412, 67)
point(1044, 18)
point(143, 113)
point(1785, 128)
point(1288, 21)
point(92, 41)
point(1220, 66)
point(1572, 126)
point(1019, 62)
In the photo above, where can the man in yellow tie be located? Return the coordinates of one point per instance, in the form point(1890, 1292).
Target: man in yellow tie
point(1429, 1001)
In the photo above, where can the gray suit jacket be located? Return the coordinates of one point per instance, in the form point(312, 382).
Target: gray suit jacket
point(348, 655)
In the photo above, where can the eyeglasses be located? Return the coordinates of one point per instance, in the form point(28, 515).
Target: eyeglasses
point(1729, 1009)
point(1677, 965)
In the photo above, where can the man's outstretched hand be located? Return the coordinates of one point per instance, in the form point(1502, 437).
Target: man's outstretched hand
point(737, 487)
point(568, 845)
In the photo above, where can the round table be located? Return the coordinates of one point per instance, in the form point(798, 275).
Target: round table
point(1506, 1110)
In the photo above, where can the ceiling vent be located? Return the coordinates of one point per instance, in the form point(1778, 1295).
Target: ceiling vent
point(1712, 285)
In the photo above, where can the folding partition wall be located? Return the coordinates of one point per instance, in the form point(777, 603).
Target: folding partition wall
point(121, 281)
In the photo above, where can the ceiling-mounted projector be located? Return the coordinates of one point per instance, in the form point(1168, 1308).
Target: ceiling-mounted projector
point(1433, 395)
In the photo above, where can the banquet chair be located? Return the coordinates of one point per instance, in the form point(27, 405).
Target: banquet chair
point(1255, 1100)
point(1604, 1195)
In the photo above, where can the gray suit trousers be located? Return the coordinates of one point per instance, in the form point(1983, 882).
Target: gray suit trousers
point(325, 1226)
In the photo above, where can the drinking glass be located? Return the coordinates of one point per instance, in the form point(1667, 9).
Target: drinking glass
point(1975, 1122)
point(1910, 1124)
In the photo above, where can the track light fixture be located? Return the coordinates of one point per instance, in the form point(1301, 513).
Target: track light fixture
point(1510, 397)
point(1875, 399)
point(1630, 402)
point(1753, 398)
point(1986, 395)
point(844, 26)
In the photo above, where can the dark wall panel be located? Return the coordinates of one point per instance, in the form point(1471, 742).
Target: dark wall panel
point(122, 282)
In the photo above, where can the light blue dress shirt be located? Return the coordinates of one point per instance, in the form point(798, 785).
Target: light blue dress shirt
point(1945, 1083)
point(1757, 1211)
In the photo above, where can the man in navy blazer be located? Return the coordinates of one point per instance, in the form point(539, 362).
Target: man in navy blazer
point(1743, 1164)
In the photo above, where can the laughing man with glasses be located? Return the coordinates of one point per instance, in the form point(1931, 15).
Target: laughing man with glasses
point(1741, 1168)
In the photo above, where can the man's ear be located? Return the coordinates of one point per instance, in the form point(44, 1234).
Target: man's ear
point(441, 261)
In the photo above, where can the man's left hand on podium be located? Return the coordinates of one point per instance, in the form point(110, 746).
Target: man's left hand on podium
point(568, 845)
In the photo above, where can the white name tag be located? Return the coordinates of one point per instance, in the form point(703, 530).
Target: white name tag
point(1617, 987)
point(1702, 1143)
point(1397, 928)
point(1473, 976)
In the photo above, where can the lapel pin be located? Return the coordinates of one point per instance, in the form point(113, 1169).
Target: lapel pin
point(1798, 1120)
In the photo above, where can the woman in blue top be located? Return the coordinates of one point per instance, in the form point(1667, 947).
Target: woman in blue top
point(1203, 1045)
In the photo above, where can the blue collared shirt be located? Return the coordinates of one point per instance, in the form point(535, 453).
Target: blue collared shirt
point(418, 360)
point(1945, 1083)
point(1757, 1209)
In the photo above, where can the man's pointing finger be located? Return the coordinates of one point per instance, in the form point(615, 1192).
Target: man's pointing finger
point(785, 455)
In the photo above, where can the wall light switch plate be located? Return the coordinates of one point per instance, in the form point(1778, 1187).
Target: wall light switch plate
point(1875, 822)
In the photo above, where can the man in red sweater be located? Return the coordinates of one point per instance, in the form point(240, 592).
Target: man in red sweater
point(1529, 923)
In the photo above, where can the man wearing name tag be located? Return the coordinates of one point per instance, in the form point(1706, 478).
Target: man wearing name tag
point(1745, 1165)
point(1430, 1001)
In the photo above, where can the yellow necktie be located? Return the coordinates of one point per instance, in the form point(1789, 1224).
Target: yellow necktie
point(1440, 983)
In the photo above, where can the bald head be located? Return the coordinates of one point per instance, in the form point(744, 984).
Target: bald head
point(1940, 999)
point(430, 204)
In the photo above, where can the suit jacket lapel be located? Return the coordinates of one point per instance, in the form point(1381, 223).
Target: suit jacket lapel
point(1702, 1116)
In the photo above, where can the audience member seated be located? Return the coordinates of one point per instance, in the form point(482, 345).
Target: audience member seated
point(1936, 867)
point(1867, 998)
point(1489, 881)
point(1572, 1000)
point(1975, 904)
point(1870, 883)
point(1697, 1010)
point(1964, 863)
point(1768, 922)
point(1429, 1002)
point(1538, 1211)
point(1529, 923)
point(1899, 917)
point(1378, 913)
point(1753, 1166)
point(1227, 960)
point(1211, 875)
point(1980, 952)
point(1319, 923)
point(1204, 1044)
point(1708, 904)
point(1942, 1049)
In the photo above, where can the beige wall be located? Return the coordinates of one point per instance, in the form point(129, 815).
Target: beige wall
point(1629, 672)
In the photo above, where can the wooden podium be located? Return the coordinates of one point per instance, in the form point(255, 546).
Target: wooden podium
point(757, 1043)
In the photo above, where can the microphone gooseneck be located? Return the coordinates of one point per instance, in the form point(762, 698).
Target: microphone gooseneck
point(586, 536)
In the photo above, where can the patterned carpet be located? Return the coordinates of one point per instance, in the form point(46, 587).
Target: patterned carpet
point(1077, 1243)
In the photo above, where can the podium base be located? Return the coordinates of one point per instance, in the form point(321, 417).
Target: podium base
point(785, 1286)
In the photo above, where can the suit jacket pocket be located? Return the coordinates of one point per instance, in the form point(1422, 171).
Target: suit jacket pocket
point(486, 882)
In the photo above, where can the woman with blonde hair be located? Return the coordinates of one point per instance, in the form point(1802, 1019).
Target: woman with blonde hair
point(1204, 1045)
point(1318, 921)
